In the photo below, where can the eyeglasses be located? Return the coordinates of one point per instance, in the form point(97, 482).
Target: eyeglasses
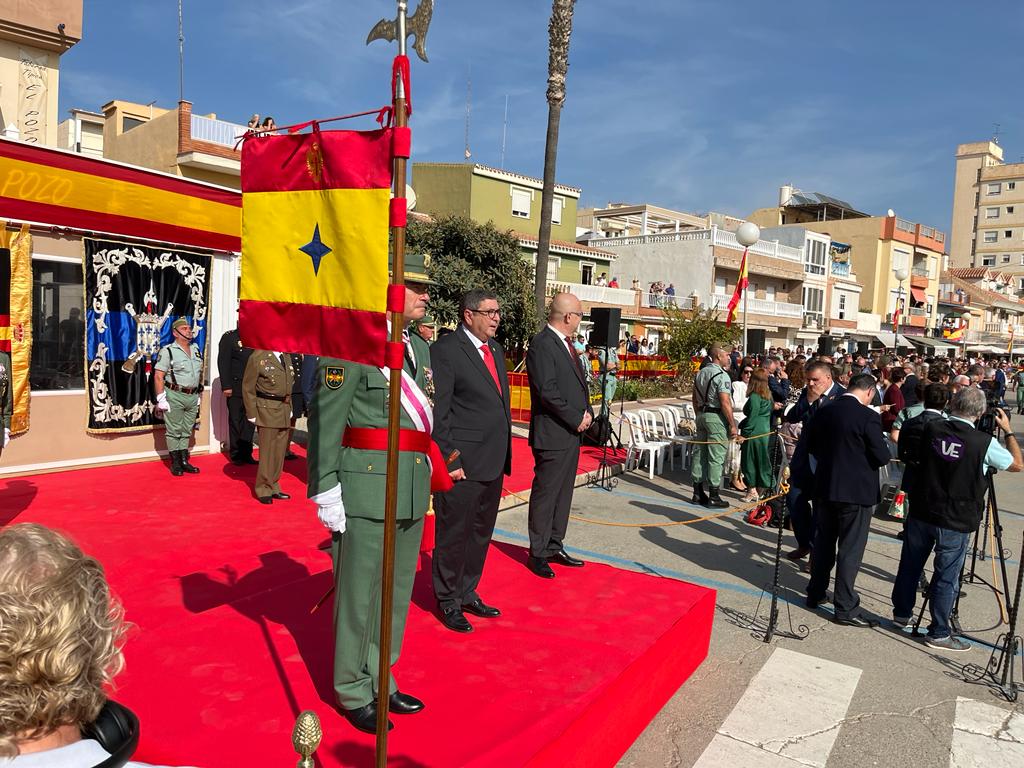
point(578, 314)
point(748, 372)
point(491, 313)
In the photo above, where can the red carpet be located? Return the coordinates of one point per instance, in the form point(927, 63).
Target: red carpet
point(224, 652)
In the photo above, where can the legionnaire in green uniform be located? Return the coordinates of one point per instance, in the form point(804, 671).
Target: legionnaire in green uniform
point(178, 380)
point(348, 485)
point(712, 402)
point(6, 398)
point(267, 393)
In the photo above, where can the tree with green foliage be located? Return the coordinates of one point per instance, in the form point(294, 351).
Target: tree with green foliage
point(464, 255)
point(689, 335)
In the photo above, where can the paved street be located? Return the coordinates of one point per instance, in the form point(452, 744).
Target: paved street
point(841, 698)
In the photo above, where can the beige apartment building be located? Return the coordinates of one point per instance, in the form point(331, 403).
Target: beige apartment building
point(988, 211)
point(33, 36)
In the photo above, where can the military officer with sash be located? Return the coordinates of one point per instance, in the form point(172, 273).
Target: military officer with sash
point(178, 381)
point(6, 398)
point(712, 402)
point(347, 461)
point(267, 393)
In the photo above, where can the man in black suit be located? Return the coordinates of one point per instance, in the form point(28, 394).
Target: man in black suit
point(559, 414)
point(231, 360)
point(845, 444)
point(471, 416)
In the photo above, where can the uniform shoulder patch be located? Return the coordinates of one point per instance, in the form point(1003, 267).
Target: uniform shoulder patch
point(334, 377)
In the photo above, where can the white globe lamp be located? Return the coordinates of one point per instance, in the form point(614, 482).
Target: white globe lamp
point(748, 234)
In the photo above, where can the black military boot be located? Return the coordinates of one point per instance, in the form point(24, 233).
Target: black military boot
point(186, 465)
point(714, 500)
point(699, 497)
point(176, 469)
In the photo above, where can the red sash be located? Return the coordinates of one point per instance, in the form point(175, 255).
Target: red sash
point(411, 440)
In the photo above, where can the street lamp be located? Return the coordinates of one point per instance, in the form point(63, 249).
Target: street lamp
point(901, 274)
point(747, 234)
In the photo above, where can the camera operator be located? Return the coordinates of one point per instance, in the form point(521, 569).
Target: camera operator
point(946, 506)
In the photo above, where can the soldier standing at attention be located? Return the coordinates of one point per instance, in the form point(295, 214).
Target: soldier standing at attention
point(178, 380)
point(712, 402)
point(267, 392)
point(347, 478)
point(231, 361)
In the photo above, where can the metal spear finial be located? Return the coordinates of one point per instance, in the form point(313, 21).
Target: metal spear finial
point(417, 24)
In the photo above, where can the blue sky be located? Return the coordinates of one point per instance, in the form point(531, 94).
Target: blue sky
point(690, 104)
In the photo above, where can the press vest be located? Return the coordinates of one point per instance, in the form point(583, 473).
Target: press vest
point(951, 486)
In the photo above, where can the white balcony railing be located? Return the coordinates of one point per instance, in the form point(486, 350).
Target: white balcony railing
point(599, 294)
point(997, 327)
point(216, 131)
point(779, 308)
point(715, 236)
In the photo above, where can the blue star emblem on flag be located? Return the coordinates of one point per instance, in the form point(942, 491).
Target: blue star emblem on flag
point(315, 249)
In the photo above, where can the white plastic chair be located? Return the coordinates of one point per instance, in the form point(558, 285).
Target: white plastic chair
point(655, 431)
point(639, 447)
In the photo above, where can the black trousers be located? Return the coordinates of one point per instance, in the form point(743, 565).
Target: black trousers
point(464, 522)
point(240, 430)
point(847, 526)
point(551, 497)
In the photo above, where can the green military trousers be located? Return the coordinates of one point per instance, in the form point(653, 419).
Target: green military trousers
point(181, 419)
point(357, 580)
point(708, 460)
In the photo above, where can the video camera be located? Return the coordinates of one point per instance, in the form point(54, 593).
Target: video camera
point(993, 402)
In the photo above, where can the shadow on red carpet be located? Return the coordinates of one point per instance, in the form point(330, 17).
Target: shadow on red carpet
point(224, 651)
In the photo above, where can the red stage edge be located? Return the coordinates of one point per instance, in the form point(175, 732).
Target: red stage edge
point(611, 723)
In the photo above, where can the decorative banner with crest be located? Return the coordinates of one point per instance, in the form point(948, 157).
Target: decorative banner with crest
point(132, 295)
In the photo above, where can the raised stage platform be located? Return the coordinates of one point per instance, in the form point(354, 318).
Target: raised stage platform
point(224, 652)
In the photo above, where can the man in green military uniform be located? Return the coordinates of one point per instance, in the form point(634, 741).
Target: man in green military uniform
point(178, 380)
point(6, 398)
point(712, 402)
point(267, 394)
point(347, 481)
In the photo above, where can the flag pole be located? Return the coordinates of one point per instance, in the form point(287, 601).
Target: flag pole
point(746, 290)
point(387, 582)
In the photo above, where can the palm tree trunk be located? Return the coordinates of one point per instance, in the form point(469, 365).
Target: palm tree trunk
point(559, 32)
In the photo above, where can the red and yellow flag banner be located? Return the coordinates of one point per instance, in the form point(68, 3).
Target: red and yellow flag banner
point(737, 296)
point(16, 317)
point(65, 189)
point(315, 227)
point(956, 334)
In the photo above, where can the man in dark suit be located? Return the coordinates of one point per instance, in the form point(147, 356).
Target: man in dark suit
point(559, 414)
point(471, 416)
point(231, 360)
point(845, 444)
point(820, 391)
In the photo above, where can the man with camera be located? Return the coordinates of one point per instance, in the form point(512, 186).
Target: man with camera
point(946, 505)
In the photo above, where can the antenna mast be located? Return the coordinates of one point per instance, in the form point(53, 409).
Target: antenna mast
point(469, 100)
point(504, 133)
point(181, 56)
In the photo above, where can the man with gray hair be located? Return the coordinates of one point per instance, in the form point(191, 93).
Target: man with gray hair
point(946, 505)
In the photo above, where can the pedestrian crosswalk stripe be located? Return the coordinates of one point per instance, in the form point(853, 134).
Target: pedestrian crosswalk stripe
point(985, 736)
point(789, 715)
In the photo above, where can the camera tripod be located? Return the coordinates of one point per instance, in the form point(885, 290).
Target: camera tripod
point(991, 514)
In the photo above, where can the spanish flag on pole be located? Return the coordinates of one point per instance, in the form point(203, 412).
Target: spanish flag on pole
point(315, 226)
point(737, 296)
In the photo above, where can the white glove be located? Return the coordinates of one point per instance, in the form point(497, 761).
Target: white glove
point(330, 509)
point(161, 402)
point(252, 420)
point(7, 436)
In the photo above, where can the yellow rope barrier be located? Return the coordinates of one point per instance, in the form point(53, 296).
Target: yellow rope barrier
point(731, 511)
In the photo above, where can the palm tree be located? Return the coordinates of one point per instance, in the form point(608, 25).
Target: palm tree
point(559, 31)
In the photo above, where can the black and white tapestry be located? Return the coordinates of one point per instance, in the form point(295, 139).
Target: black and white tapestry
point(132, 295)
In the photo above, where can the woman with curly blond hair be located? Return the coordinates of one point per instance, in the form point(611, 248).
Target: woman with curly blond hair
point(60, 646)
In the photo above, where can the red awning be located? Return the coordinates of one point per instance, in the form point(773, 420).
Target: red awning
point(918, 295)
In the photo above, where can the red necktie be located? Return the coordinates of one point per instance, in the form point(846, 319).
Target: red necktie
point(489, 362)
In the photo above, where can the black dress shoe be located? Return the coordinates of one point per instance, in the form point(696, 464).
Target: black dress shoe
point(454, 619)
point(403, 704)
point(291, 455)
point(799, 553)
point(540, 567)
point(282, 495)
point(265, 499)
point(812, 604)
point(564, 558)
point(365, 718)
point(479, 608)
point(857, 621)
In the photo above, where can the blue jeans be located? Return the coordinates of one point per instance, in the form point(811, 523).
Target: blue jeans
point(919, 539)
